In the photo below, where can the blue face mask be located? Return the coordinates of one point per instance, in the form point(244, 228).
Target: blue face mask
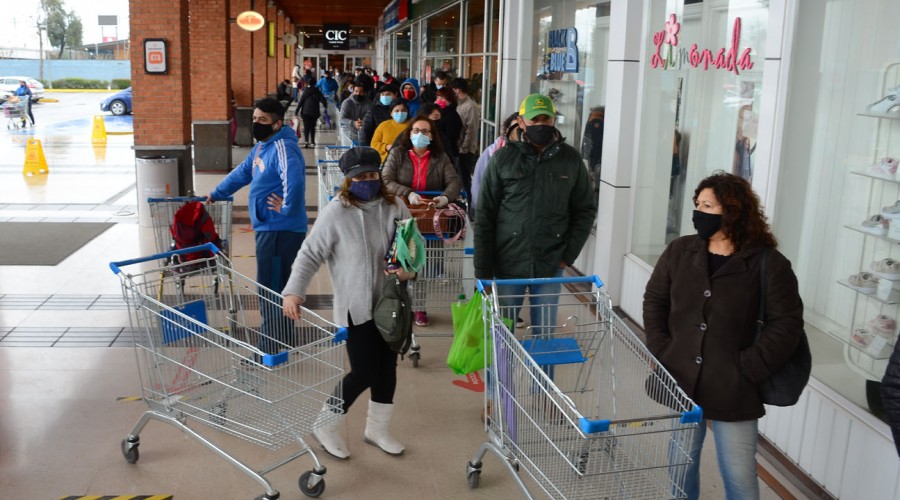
point(386, 100)
point(400, 117)
point(366, 190)
point(439, 87)
point(420, 141)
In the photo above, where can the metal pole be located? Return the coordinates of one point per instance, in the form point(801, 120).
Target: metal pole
point(41, 49)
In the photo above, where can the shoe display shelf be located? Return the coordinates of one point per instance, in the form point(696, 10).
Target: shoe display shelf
point(868, 356)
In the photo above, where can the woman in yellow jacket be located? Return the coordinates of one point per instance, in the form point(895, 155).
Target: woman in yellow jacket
point(388, 131)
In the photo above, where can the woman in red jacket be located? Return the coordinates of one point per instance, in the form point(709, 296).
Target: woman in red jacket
point(700, 314)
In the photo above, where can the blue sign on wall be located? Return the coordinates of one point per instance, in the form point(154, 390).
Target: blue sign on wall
point(563, 51)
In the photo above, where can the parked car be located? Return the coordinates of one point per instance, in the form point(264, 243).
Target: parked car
point(11, 83)
point(118, 103)
point(4, 95)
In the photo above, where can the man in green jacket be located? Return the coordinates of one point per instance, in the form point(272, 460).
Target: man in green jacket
point(535, 212)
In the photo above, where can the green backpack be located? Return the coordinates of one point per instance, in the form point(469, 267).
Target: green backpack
point(394, 315)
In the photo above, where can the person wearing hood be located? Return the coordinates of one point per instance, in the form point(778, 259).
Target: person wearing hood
point(381, 111)
point(353, 110)
point(535, 212)
point(409, 91)
point(352, 235)
point(276, 173)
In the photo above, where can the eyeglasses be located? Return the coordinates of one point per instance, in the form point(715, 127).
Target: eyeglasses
point(426, 131)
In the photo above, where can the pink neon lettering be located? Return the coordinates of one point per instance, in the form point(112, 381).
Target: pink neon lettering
point(723, 59)
point(656, 59)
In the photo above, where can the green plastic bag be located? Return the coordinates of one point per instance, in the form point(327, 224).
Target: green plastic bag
point(468, 350)
point(409, 246)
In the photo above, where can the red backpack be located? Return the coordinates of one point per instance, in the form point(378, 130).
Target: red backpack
point(192, 227)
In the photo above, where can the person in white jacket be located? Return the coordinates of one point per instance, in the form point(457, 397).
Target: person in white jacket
point(352, 235)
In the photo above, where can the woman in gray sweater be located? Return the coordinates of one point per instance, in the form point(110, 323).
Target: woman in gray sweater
point(352, 235)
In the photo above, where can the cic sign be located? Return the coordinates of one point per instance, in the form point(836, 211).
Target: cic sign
point(337, 36)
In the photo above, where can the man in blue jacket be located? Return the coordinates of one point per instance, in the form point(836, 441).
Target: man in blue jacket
point(276, 174)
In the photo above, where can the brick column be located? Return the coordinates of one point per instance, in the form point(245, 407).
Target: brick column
point(210, 84)
point(162, 102)
point(241, 74)
point(271, 15)
point(259, 57)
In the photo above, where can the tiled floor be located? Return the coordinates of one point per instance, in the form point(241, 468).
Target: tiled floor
point(70, 380)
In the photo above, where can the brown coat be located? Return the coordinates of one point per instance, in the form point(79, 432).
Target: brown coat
point(398, 174)
point(702, 327)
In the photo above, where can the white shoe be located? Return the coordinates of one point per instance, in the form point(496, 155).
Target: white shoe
point(327, 430)
point(377, 434)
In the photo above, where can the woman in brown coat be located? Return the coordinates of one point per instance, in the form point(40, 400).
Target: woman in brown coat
point(700, 313)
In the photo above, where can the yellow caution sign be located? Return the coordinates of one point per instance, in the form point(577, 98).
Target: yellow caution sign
point(35, 161)
point(99, 132)
point(100, 152)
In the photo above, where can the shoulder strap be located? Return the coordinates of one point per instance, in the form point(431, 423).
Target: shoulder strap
point(761, 319)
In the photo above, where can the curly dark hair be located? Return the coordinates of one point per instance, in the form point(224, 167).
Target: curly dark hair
point(404, 140)
point(448, 95)
point(743, 220)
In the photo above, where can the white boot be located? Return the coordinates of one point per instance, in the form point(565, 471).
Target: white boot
point(329, 433)
point(377, 423)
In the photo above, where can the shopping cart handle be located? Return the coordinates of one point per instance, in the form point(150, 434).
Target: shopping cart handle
point(186, 199)
point(115, 266)
point(693, 416)
point(541, 281)
point(340, 335)
point(589, 426)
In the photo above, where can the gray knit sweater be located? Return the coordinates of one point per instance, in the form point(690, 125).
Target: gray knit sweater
point(353, 241)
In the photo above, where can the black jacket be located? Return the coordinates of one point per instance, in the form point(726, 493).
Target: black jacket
point(890, 394)
point(450, 127)
point(373, 119)
point(310, 100)
point(702, 328)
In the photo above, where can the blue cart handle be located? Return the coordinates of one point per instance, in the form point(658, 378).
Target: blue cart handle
point(462, 193)
point(115, 266)
point(186, 199)
point(481, 284)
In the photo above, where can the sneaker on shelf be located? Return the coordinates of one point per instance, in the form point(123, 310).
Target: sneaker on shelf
point(863, 282)
point(520, 323)
point(887, 268)
point(422, 319)
point(862, 337)
point(886, 167)
point(892, 211)
point(883, 325)
point(875, 224)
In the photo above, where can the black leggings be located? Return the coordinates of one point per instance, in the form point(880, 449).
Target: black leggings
point(309, 128)
point(372, 365)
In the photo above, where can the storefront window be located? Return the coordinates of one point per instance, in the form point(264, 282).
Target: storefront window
point(702, 91)
point(441, 43)
point(569, 65)
point(838, 186)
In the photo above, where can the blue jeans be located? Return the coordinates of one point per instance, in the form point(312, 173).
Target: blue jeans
point(736, 454)
point(275, 252)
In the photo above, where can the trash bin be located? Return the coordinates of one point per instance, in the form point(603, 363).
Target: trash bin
point(157, 177)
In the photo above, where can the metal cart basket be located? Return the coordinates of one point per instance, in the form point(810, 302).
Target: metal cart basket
point(197, 355)
point(578, 402)
point(162, 216)
point(16, 113)
point(330, 178)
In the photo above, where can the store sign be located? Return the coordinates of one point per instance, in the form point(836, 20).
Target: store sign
point(337, 36)
point(395, 13)
point(669, 56)
point(563, 51)
point(155, 56)
point(250, 21)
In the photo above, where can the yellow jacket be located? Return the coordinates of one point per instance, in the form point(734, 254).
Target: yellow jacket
point(385, 135)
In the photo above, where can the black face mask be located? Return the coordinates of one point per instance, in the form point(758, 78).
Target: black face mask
point(706, 224)
point(358, 98)
point(540, 135)
point(262, 131)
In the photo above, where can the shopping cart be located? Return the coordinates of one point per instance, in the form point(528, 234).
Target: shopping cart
point(447, 276)
point(16, 112)
point(570, 403)
point(330, 178)
point(335, 152)
point(162, 216)
point(199, 364)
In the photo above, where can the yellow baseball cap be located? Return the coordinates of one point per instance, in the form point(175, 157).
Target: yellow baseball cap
point(535, 105)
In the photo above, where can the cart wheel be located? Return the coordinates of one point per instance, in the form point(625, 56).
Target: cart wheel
point(313, 491)
point(474, 477)
point(130, 451)
point(414, 357)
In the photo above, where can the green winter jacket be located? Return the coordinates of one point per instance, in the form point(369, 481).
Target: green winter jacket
point(534, 211)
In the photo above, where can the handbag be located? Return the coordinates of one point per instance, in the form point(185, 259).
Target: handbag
point(447, 223)
point(783, 387)
point(468, 350)
point(393, 315)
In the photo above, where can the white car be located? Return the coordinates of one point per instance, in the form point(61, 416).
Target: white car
point(11, 83)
